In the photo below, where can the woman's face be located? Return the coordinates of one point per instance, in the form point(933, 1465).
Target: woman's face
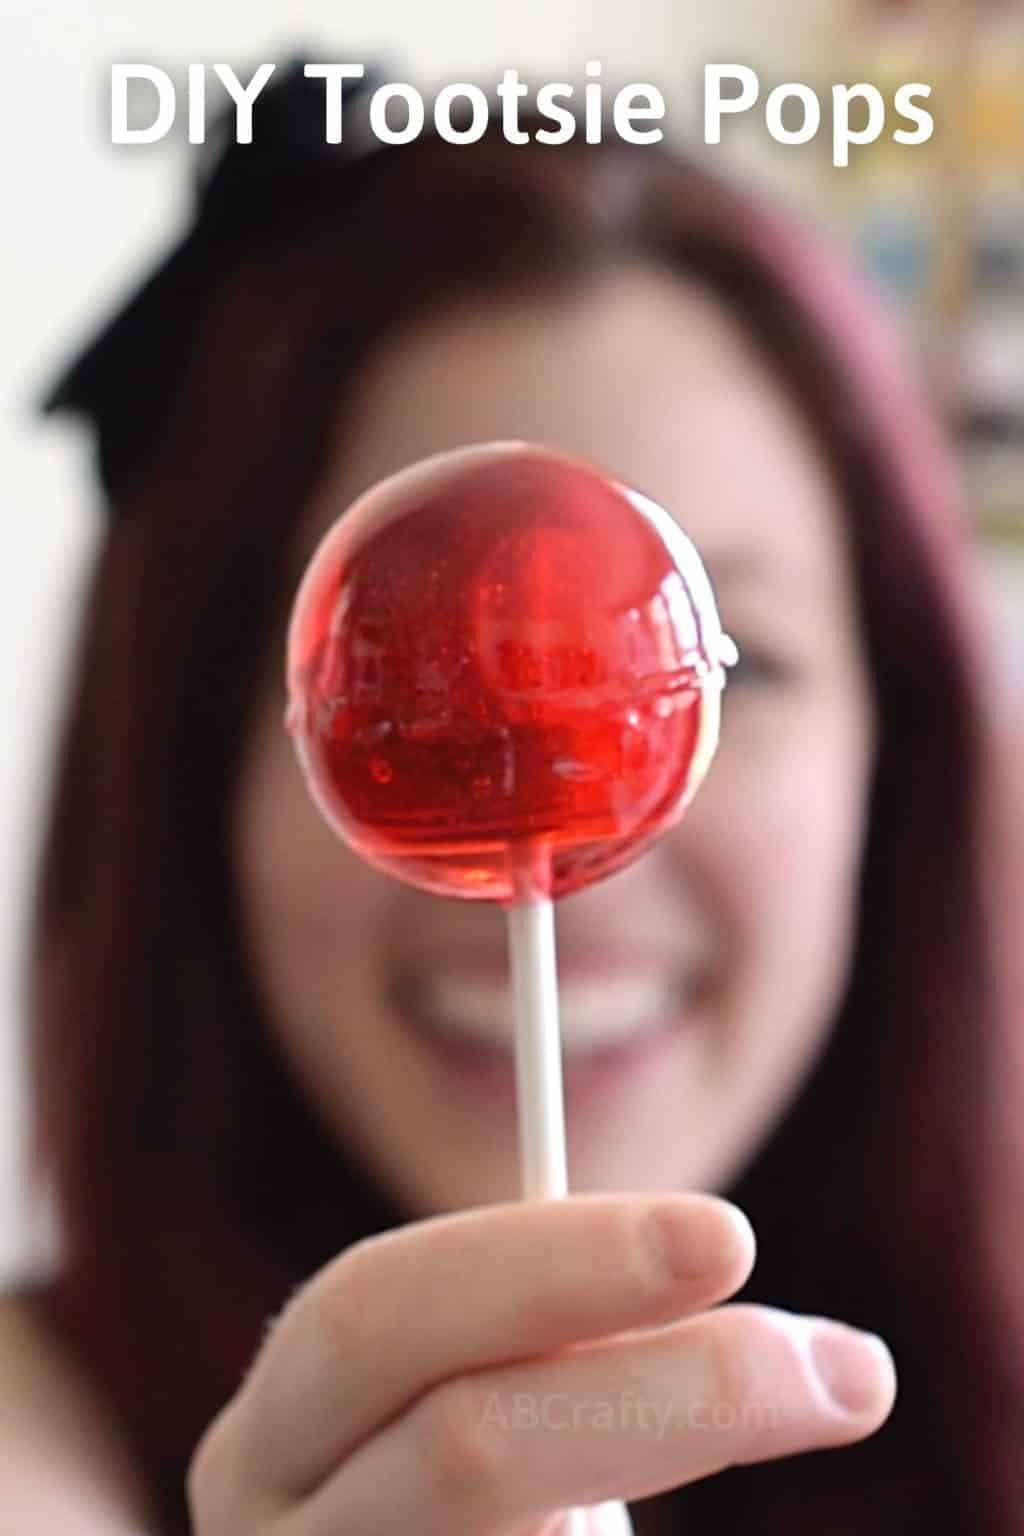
point(699, 984)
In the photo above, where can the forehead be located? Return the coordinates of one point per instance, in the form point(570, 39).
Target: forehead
point(643, 374)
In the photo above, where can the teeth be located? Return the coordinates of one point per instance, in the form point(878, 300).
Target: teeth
point(594, 1013)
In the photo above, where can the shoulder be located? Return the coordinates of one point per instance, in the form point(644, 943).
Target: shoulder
point(63, 1465)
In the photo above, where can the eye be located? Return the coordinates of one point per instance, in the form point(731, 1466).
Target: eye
point(760, 667)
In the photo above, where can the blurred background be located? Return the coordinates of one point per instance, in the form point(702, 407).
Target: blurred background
point(939, 229)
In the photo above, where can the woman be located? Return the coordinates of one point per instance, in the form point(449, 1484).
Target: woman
point(243, 1057)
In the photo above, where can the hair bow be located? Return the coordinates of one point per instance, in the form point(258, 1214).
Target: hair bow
point(125, 376)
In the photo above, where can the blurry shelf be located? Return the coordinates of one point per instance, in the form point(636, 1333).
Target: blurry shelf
point(995, 485)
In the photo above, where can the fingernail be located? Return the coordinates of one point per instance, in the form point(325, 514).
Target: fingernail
point(611, 1519)
point(852, 1366)
point(690, 1240)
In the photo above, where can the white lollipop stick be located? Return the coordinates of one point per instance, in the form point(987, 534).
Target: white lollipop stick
point(542, 1160)
point(531, 934)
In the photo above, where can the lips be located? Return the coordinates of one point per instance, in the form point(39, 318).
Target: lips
point(605, 1004)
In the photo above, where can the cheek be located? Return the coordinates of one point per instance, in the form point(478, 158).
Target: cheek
point(775, 838)
point(310, 907)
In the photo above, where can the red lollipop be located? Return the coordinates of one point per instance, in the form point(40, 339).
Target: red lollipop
point(504, 670)
point(504, 674)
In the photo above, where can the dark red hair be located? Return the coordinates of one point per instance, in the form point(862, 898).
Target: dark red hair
point(195, 1188)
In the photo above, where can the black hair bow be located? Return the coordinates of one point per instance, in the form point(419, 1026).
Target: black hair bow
point(125, 377)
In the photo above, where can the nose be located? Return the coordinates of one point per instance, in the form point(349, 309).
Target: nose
point(647, 902)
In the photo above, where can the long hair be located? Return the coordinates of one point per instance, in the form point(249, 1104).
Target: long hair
point(194, 1186)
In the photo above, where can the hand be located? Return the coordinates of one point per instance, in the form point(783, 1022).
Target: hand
point(478, 1373)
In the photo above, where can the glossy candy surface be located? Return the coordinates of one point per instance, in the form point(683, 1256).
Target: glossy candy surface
point(504, 673)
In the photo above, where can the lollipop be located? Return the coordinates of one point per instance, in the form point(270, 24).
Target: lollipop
point(504, 674)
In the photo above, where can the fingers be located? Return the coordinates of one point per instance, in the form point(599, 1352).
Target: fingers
point(488, 1453)
point(397, 1314)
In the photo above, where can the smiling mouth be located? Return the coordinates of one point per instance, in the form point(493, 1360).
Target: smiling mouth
point(604, 1008)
